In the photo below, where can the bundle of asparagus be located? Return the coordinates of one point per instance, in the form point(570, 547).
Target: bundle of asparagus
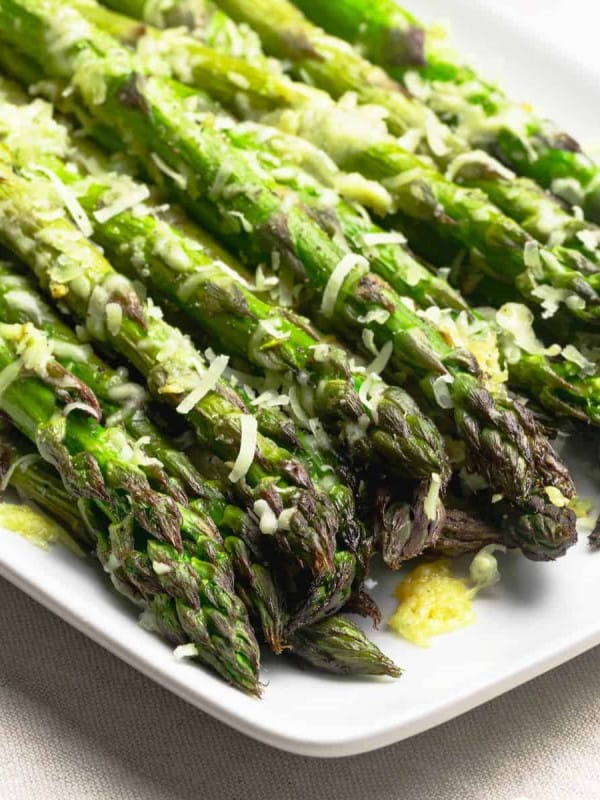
point(478, 109)
point(542, 275)
point(341, 397)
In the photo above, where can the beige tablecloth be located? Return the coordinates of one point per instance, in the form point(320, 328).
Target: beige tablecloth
point(78, 724)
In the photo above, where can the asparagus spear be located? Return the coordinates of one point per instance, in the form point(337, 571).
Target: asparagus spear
point(195, 598)
point(335, 644)
point(197, 521)
point(300, 240)
point(384, 32)
point(467, 217)
point(22, 467)
point(478, 109)
point(204, 17)
point(540, 529)
point(169, 362)
point(260, 592)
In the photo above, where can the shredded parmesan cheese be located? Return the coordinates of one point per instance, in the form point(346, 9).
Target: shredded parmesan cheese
point(185, 651)
point(284, 521)
point(441, 392)
point(127, 200)
point(176, 177)
point(267, 521)
point(87, 409)
point(69, 200)
point(383, 238)
point(346, 265)
point(114, 318)
point(207, 383)
point(381, 360)
point(160, 568)
point(431, 501)
point(248, 440)
point(23, 461)
point(9, 374)
point(572, 354)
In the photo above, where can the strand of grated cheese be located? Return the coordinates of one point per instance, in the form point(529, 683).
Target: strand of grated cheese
point(248, 440)
point(207, 383)
point(336, 280)
point(69, 200)
point(127, 200)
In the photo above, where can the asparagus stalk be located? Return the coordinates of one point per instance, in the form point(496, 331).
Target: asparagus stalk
point(542, 530)
point(467, 217)
point(24, 470)
point(261, 594)
point(384, 32)
point(169, 362)
point(183, 590)
point(335, 644)
point(35, 364)
point(303, 245)
point(479, 110)
point(206, 19)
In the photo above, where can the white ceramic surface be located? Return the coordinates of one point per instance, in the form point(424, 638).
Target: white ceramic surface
point(538, 616)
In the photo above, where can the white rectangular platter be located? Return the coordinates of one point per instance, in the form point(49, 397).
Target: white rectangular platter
point(539, 615)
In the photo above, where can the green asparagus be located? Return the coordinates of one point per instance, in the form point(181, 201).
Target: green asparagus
point(467, 216)
point(269, 411)
point(175, 371)
point(335, 644)
point(101, 467)
point(36, 481)
point(541, 529)
point(384, 32)
point(302, 244)
point(477, 109)
point(548, 381)
point(215, 295)
point(37, 391)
